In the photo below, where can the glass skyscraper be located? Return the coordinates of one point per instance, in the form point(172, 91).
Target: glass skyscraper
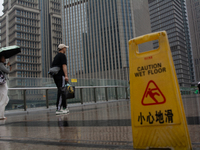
point(170, 15)
point(98, 31)
point(51, 32)
point(193, 9)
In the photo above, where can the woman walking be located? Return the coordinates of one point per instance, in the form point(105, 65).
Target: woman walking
point(3, 87)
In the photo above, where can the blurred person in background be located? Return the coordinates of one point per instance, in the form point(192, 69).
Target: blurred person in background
point(5, 70)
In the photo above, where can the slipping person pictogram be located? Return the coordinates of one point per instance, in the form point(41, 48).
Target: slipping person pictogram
point(154, 93)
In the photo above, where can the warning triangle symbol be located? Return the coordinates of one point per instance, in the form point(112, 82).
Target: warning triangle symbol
point(153, 95)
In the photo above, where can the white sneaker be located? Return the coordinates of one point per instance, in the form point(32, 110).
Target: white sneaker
point(4, 118)
point(66, 111)
point(58, 112)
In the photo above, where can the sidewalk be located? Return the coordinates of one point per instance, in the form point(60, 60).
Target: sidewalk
point(92, 126)
point(100, 126)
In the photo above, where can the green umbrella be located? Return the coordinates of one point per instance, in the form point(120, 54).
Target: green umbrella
point(9, 51)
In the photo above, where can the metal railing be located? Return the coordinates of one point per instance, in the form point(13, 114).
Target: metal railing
point(77, 87)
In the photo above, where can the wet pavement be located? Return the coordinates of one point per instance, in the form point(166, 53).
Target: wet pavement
point(101, 126)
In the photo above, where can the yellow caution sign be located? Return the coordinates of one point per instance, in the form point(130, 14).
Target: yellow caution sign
point(73, 80)
point(157, 113)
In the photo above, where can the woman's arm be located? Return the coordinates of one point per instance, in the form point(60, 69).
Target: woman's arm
point(4, 69)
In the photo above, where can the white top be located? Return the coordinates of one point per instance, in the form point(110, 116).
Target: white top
point(4, 69)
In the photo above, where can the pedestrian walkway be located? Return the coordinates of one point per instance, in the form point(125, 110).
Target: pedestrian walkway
point(101, 126)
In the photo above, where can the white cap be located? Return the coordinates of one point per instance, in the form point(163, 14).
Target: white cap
point(198, 82)
point(61, 46)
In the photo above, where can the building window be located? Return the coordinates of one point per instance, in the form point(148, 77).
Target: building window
point(18, 12)
point(18, 58)
point(18, 27)
point(18, 42)
point(18, 35)
point(19, 73)
point(18, 66)
point(18, 19)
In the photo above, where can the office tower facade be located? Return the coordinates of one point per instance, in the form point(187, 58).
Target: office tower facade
point(51, 32)
point(98, 31)
point(35, 26)
point(193, 9)
point(171, 16)
point(20, 25)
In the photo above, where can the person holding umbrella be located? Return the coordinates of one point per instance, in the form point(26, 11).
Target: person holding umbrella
point(5, 52)
point(4, 87)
